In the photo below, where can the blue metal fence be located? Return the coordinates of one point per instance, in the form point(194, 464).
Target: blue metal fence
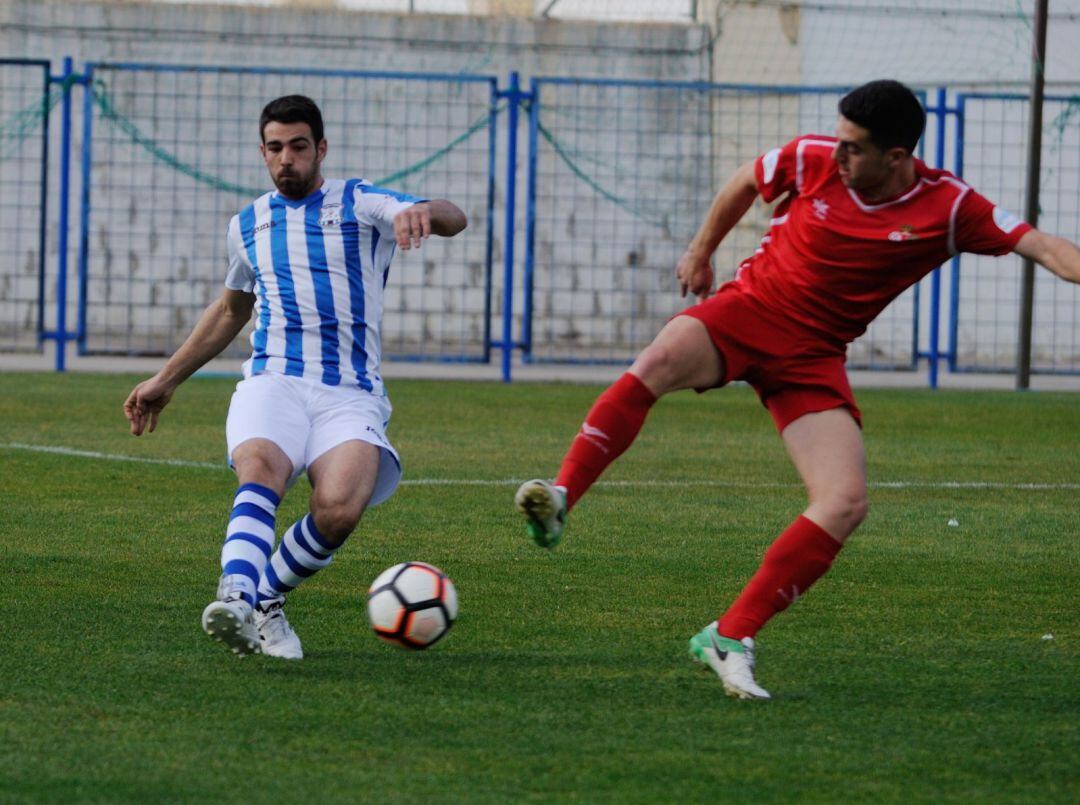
point(620, 175)
point(617, 176)
point(170, 154)
point(985, 292)
point(26, 101)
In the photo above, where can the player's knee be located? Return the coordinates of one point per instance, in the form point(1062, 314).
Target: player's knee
point(335, 518)
point(660, 367)
point(653, 365)
point(850, 506)
point(259, 469)
point(258, 462)
point(682, 356)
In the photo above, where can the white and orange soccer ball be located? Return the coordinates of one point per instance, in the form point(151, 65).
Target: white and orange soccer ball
point(412, 605)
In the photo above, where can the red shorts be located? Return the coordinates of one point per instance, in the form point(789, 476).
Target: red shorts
point(793, 371)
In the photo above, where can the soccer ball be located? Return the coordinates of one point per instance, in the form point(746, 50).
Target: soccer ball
point(412, 605)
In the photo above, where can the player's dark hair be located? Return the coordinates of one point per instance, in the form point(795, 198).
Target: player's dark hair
point(292, 109)
point(889, 111)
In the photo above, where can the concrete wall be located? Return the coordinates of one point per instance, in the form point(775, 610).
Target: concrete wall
point(327, 37)
point(154, 265)
point(634, 170)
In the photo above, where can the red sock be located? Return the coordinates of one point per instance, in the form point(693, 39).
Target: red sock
point(798, 558)
point(609, 428)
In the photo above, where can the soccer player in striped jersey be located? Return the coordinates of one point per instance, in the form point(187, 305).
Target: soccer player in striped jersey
point(860, 220)
point(310, 260)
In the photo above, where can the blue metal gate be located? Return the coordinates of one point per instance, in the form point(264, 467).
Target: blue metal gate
point(620, 175)
point(985, 292)
point(170, 154)
point(25, 104)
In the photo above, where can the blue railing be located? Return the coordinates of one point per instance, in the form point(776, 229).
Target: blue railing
point(616, 175)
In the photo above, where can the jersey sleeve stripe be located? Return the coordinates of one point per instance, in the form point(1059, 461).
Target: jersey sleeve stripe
point(952, 217)
point(382, 191)
point(799, 161)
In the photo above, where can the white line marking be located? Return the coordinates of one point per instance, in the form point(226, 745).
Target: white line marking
point(68, 451)
point(206, 465)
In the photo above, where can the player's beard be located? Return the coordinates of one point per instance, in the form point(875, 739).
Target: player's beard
point(296, 185)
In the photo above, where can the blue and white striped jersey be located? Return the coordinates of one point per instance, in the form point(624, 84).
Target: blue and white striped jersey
point(317, 266)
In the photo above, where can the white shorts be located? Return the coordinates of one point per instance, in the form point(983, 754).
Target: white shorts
point(306, 418)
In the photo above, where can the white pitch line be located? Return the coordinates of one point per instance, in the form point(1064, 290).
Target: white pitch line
point(206, 465)
point(69, 451)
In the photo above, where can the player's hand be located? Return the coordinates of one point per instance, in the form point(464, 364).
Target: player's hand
point(695, 274)
point(412, 226)
point(145, 403)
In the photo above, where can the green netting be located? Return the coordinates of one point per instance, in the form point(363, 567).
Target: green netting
point(18, 128)
point(113, 116)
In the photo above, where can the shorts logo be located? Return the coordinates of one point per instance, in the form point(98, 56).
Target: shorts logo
point(378, 436)
point(330, 215)
point(905, 232)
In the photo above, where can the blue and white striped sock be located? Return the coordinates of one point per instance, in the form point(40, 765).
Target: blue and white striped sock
point(249, 539)
point(302, 553)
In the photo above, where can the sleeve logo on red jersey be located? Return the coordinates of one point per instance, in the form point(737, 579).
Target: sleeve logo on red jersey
point(768, 165)
point(905, 232)
point(1005, 220)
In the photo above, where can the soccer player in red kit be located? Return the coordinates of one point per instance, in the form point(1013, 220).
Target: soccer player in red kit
point(860, 220)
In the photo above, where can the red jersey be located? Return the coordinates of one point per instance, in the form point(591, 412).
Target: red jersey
point(831, 261)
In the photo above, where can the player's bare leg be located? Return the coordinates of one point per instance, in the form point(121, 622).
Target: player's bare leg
point(681, 356)
point(343, 480)
point(262, 470)
point(827, 450)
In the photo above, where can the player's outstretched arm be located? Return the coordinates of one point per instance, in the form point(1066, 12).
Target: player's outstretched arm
point(437, 217)
point(694, 271)
point(1058, 255)
point(219, 324)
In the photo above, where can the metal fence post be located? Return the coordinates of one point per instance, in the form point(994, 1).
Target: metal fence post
point(489, 238)
point(935, 279)
point(1031, 194)
point(530, 221)
point(514, 96)
point(60, 334)
point(43, 196)
point(954, 285)
point(84, 205)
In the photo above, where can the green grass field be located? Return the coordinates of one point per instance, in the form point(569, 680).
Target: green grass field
point(916, 670)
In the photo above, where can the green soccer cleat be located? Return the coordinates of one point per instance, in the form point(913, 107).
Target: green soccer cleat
point(544, 506)
point(732, 660)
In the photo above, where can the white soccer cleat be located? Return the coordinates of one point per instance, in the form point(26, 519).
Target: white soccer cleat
point(276, 636)
point(544, 507)
point(230, 622)
point(732, 660)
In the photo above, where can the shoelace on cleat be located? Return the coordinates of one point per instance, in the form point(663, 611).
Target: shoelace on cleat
point(274, 624)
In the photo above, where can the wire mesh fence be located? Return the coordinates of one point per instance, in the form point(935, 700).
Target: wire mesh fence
point(617, 176)
point(25, 105)
point(988, 289)
point(624, 174)
point(173, 155)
